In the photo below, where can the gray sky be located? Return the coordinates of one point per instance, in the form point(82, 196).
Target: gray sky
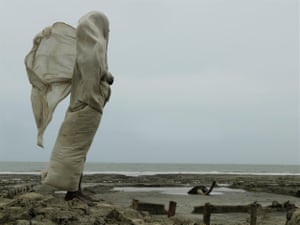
point(196, 81)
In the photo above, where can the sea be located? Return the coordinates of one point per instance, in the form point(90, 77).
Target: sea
point(138, 169)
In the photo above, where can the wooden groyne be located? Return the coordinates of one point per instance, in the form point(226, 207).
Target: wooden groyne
point(208, 209)
point(154, 208)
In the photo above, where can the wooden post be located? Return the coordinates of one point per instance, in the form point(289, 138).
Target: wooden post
point(253, 213)
point(172, 209)
point(206, 214)
point(135, 204)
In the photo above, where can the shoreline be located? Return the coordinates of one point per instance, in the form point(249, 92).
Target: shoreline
point(280, 184)
point(152, 173)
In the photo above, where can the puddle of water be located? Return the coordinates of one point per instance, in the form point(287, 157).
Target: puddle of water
point(176, 190)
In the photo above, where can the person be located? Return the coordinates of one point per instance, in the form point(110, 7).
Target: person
point(90, 91)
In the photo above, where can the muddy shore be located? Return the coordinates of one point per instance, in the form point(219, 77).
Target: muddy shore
point(115, 193)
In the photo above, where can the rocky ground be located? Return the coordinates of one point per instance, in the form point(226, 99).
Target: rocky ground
point(19, 205)
point(34, 208)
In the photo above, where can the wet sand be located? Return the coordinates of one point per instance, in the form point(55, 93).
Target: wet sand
point(117, 192)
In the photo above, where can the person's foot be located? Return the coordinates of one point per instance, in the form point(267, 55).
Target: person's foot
point(78, 195)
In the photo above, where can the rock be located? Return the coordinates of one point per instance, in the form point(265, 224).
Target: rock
point(116, 216)
point(64, 217)
point(12, 190)
point(293, 217)
point(276, 204)
point(14, 213)
point(127, 217)
point(77, 204)
point(44, 189)
point(3, 217)
point(31, 196)
point(288, 205)
point(43, 222)
point(23, 222)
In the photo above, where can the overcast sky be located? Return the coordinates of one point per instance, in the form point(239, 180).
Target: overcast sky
point(196, 81)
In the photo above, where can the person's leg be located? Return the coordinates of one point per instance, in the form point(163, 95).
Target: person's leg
point(79, 185)
point(79, 195)
point(81, 192)
point(75, 194)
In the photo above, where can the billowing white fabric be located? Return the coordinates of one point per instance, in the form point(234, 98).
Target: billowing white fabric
point(49, 66)
point(90, 90)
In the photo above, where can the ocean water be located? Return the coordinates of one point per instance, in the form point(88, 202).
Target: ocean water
point(136, 169)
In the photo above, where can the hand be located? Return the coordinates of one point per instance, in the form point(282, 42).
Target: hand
point(109, 78)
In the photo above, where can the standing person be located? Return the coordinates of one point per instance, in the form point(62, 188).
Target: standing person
point(90, 91)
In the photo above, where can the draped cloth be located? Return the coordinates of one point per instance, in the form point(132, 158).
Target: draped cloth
point(49, 67)
point(90, 90)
